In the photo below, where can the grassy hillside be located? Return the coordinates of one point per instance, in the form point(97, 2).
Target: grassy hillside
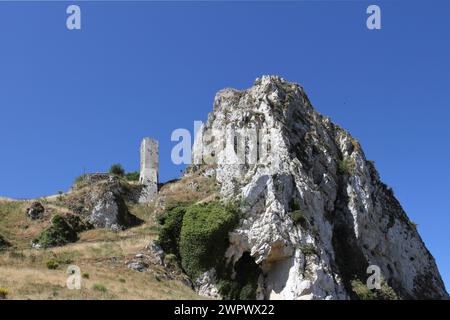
point(101, 254)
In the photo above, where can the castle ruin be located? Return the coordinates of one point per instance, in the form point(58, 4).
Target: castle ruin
point(149, 169)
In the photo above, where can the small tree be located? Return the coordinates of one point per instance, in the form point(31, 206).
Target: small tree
point(117, 169)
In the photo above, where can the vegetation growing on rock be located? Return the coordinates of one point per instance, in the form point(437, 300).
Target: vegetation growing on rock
point(204, 236)
point(169, 235)
point(197, 234)
point(299, 217)
point(308, 249)
point(364, 293)
point(243, 282)
point(346, 166)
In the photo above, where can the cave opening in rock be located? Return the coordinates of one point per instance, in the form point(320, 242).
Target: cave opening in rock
point(241, 284)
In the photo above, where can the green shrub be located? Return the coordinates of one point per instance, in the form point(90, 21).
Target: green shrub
point(169, 234)
point(3, 243)
point(386, 292)
point(248, 292)
point(364, 293)
point(308, 249)
point(229, 289)
point(346, 166)
point(117, 169)
point(294, 204)
point(59, 233)
point(132, 176)
point(99, 287)
point(52, 264)
point(204, 236)
point(413, 225)
point(171, 261)
point(3, 293)
point(298, 217)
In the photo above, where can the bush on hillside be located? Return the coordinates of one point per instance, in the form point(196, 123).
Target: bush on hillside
point(3, 243)
point(117, 169)
point(204, 236)
point(59, 233)
point(169, 234)
point(132, 176)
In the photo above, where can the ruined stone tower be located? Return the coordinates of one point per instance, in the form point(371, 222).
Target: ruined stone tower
point(149, 169)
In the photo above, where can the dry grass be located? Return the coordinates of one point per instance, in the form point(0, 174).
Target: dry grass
point(101, 254)
point(192, 189)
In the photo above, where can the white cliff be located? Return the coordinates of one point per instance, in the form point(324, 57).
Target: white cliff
point(316, 214)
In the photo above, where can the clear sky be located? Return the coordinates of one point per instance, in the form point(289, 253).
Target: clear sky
point(82, 100)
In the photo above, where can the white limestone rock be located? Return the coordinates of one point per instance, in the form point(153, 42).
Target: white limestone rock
point(351, 219)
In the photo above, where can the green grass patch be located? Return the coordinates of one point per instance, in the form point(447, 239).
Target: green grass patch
point(99, 287)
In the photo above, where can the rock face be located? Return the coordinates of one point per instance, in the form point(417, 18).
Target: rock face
point(102, 200)
point(108, 208)
point(316, 214)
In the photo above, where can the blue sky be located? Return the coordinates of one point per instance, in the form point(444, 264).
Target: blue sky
point(82, 100)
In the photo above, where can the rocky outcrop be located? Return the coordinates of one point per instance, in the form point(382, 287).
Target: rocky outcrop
point(316, 214)
point(108, 209)
point(102, 199)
